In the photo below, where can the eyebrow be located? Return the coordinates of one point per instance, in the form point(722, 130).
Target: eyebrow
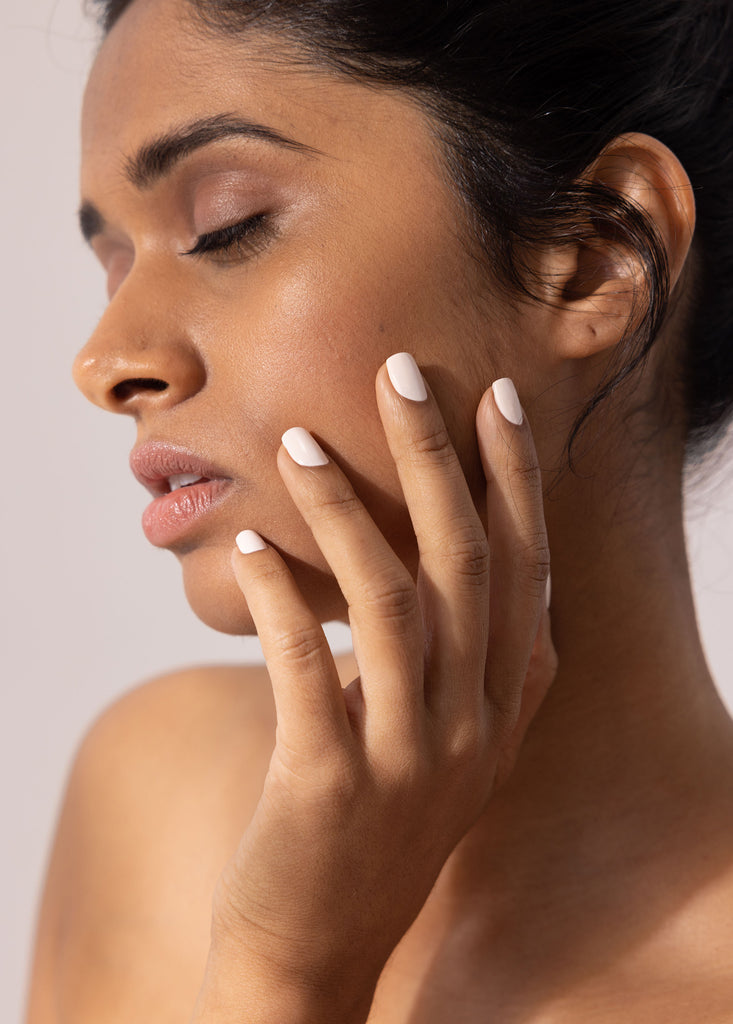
point(156, 158)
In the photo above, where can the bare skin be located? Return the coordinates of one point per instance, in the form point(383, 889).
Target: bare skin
point(590, 951)
point(596, 883)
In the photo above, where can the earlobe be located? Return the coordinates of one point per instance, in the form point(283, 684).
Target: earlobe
point(597, 281)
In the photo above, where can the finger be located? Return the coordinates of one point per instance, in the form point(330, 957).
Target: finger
point(452, 542)
point(380, 593)
point(541, 672)
point(311, 714)
point(520, 554)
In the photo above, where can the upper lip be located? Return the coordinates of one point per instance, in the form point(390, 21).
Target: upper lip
point(155, 462)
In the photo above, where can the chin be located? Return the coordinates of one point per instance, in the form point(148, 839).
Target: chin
point(215, 598)
point(213, 594)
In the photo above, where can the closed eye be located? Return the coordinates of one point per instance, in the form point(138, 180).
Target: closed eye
point(234, 240)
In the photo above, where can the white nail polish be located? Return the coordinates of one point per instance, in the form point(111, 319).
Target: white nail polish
point(248, 541)
point(406, 378)
point(507, 401)
point(302, 448)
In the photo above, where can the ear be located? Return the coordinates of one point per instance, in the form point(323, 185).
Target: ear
point(596, 283)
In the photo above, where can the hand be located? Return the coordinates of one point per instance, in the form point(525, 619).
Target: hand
point(371, 787)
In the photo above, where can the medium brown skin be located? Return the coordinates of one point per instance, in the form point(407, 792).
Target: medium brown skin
point(597, 884)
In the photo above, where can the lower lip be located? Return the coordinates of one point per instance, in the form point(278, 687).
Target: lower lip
point(171, 516)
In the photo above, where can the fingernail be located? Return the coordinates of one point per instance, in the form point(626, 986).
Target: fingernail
point(406, 378)
point(248, 541)
point(302, 448)
point(548, 590)
point(507, 401)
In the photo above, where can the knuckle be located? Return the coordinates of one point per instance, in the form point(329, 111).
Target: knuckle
point(466, 744)
point(527, 469)
point(533, 557)
point(301, 647)
point(270, 573)
point(435, 444)
point(524, 488)
point(336, 505)
point(522, 470)
point(468, 555)
point(392, 595)
point(332, 783)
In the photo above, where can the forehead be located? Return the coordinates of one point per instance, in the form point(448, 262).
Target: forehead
point(159, 68)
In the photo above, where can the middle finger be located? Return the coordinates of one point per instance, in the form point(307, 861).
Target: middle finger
point(452, 541)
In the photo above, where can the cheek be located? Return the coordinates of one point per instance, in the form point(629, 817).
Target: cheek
point(298, 342)
point(300, 345)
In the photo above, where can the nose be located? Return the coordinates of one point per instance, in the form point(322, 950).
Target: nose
point(139, 359)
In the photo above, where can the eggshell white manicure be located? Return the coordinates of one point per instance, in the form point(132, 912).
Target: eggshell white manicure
point(507, 401)
point(248, 541)
point(302, 449)
point(406, 378)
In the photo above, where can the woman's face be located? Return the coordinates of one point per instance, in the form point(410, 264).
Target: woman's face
point(216, 340)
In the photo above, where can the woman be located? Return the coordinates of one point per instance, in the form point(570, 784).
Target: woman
point(289, 200)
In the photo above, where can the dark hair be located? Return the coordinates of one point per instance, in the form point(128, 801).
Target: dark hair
point(526, 94)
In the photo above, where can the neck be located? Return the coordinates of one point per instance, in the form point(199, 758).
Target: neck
point(631, 753)
point(614, 831)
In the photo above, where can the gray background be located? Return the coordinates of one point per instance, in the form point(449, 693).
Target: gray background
point(88, 607)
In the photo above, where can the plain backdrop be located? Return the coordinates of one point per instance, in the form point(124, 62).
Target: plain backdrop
point(88, 608)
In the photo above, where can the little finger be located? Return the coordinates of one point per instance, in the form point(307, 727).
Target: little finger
point(520, 553)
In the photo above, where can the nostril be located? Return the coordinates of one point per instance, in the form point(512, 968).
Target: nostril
point(133, 385)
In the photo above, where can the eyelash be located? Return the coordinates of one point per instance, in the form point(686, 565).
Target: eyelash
point(234, 240)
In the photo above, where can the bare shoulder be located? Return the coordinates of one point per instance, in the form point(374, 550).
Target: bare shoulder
point(179, 697)
point(160, 791)
point(176, 723)
point(170, 760)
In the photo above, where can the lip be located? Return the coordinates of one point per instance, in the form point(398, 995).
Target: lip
point(172, 514)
